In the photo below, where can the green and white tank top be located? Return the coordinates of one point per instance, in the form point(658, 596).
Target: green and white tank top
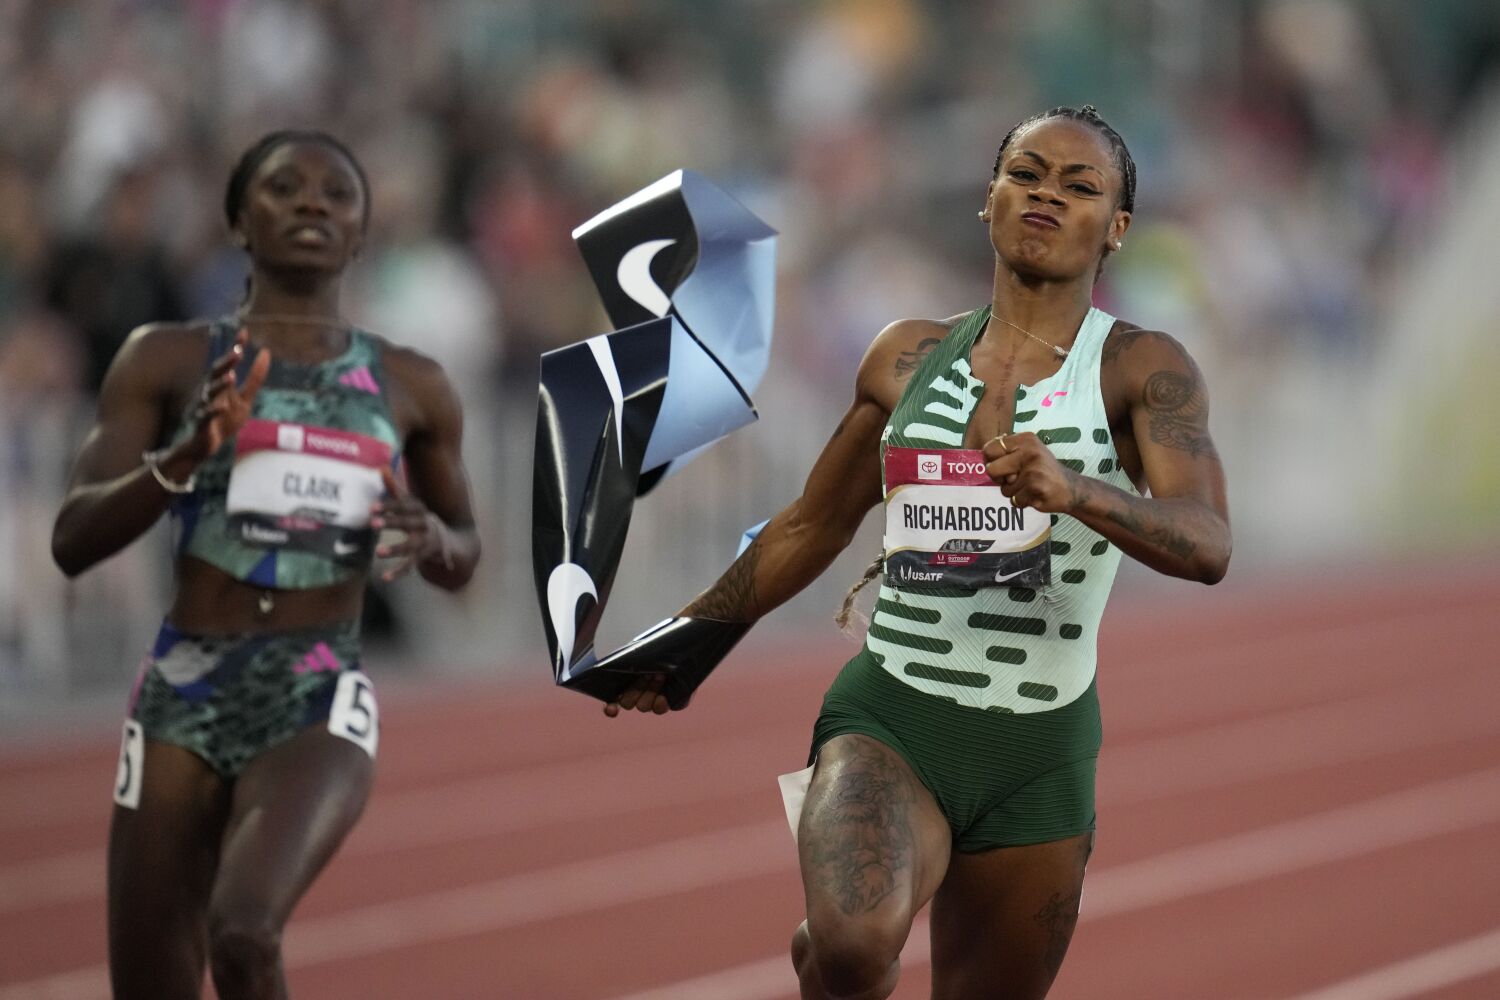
point(1006, 648)
point(285, 503)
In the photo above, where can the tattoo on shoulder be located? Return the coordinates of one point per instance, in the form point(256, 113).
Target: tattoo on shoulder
point(909, 361)
point(1178, 408)
point(732, 598)
point(1121, 340)
point(1124, 339)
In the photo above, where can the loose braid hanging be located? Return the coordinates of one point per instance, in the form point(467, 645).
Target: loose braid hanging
point(846, 611)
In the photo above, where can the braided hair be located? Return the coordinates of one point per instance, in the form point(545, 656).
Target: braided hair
point(252, 158)
point(1088, 115)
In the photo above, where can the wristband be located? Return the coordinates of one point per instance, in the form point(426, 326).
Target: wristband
point(153, 462)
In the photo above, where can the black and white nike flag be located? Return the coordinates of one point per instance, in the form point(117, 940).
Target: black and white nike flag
point(687, 276)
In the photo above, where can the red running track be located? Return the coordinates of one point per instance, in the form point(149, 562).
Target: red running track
point(1299, 798)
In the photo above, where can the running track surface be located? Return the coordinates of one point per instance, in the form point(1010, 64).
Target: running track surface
point(1299, 798)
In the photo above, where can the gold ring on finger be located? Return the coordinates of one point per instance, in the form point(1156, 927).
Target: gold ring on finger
point(1003, 446)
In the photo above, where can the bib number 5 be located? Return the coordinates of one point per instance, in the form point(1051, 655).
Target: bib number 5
point(128, 774)
point(354, 714)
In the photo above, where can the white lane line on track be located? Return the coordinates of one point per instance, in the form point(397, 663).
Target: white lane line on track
point(46, 809)
point(1366, 726)
point(664, 869)
point(1405, 817)
point(1421, 974)
point(771, 977)
point(1452, 805)
point(683, 865)
point(1342, 638)
point(41, 811)
point(1362, 727)
point(90, 983)
point(467, 810)
point(55, 879)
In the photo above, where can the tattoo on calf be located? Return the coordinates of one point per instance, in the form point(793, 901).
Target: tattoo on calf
point(862, 841)
point(908, 362)
point(732, 598)
point(1179, 412)
point(1057, 919)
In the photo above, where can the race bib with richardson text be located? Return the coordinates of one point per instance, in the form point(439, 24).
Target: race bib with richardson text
point(306, 488)
point(948, 525)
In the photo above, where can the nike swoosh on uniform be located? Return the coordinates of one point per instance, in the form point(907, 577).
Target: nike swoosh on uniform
point(634, 276)
point(1001, 578)
point(344, 548)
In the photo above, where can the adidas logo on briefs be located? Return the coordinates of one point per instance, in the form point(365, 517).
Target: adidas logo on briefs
point(321, 659)
point(360, 378)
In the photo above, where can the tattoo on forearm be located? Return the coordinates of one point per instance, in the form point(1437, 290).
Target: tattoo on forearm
point(732, 598)
point(1178, 408)
point(909, 361)
point(1079, 491)
point(1057, 919)
point(860, 841)
point(1161, 535)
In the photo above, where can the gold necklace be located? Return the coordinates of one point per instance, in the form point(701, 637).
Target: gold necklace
point(1061, 352)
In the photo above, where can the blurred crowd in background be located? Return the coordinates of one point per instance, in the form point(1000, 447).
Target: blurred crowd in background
point(1299, 161)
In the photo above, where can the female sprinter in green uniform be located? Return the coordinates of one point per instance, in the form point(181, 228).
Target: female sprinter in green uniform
point(272, 438)
point(955, 754)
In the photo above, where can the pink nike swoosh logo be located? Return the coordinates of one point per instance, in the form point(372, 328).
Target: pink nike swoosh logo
point(1047, 401)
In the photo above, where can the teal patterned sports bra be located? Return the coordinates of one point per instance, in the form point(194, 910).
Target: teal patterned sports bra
point(285, 503)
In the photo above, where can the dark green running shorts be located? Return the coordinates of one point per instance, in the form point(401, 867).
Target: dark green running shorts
point(1002, 779)
point(230, 698)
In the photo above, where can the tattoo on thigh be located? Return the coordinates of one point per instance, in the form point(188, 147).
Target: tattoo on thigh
point(1057, 919)
point(862, 840)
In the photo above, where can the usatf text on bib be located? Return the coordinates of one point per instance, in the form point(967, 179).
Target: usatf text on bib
point(948, 525)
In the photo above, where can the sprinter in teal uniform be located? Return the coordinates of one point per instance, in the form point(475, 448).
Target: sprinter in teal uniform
point(283, 441)
point(1013, 447)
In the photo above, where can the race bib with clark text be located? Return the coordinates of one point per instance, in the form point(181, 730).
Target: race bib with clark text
point(306, 488)
point(948, 525)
